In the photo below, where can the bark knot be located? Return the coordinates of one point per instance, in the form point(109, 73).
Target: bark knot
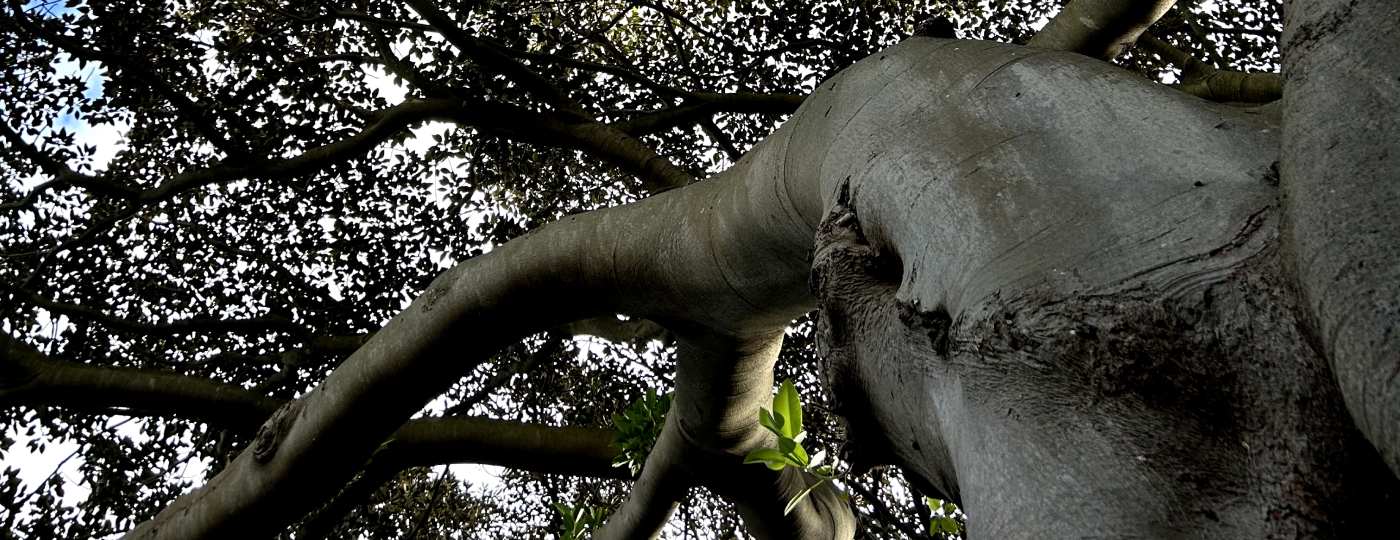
point(272, 432)
point(430, 298)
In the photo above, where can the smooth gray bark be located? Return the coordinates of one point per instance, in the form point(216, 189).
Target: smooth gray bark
point(1341, 184)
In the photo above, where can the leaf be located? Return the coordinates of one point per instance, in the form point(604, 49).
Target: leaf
point(769, 457)
point(789, 407)
point(799, 455)
point(767, 420)
point(786, 445)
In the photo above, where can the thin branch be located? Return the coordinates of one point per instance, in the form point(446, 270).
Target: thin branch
point(1205, 81)
point(677, 16)
point(350, 14)
point(706, 105)
point(1207, 44)
point(617, 71)
point(552, 346)
point(487, 57)
point(63, 175)
point(185, 326)
point(1261, 32)
point(405, 71)
point(87, 236)
point(886, 514)
point(721, 138)
point(279, 269)
point(296, 66)
point(427, 511)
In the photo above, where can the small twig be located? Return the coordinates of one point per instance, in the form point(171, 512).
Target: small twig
point(427, 512)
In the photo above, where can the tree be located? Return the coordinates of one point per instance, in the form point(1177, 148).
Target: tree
point(1073, 300)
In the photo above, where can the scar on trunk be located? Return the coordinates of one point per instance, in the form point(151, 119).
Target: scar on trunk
point(270, 435)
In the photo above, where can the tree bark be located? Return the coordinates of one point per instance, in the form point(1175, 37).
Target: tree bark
point(1068, 311)
point(1341, 185)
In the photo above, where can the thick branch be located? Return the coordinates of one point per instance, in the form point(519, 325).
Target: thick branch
point(1102, 29)
point(720, 385)
point(621, 260)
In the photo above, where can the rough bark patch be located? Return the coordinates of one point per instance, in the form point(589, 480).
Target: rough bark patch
point(270, 435)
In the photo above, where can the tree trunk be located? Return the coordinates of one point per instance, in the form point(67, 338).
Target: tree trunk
point(1061, 302)
point(1341, 182)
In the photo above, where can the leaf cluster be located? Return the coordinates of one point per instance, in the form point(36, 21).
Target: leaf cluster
point(638, 428)
point(579, 523)
point(785, 421)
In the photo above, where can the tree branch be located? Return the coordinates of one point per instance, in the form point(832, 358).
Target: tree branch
point(492, 59)
point(619, 260)
point(656, 493)
point(656, 172)
point(885, 513)
point(1205, 81)
point(550, 347)
point(408, 73)
point(1207, 44)
point(28, 377)
point(353, 15)
point(63, 175)
point(268, 79)
point(185, 326)
point(1102, 29)
point(706, 105)
point(617, 71)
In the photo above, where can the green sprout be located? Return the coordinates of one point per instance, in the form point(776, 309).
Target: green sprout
point(942, 520)
point(785, 421)
point(638, 427)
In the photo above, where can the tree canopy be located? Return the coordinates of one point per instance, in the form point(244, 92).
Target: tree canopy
point(290, 175)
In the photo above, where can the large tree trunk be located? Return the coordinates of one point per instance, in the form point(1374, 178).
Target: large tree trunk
point(1341, 183)
point(1053, 292)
